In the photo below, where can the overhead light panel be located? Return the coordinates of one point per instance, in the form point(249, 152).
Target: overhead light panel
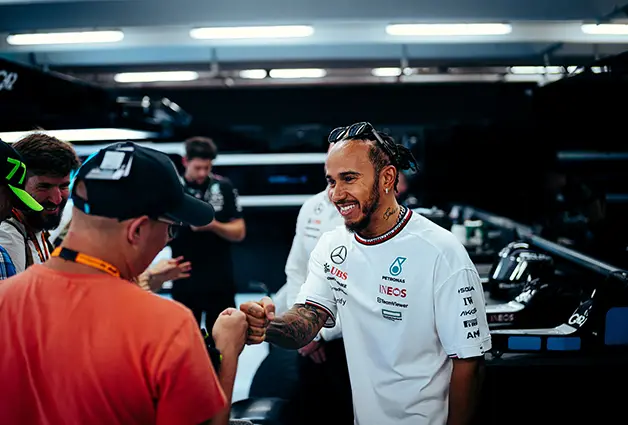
point(431, 30)
point(253, 74)
point(85, 37)
point(155, 77)
point(83, 135)
point(285, 31)
point(536, 70)
point(298, 73)
point(605, 29)
point(386, 72)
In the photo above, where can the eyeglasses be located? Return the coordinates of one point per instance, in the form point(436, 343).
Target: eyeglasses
point(359, 129)
point(173, 227)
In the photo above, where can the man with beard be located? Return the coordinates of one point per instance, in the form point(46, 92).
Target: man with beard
point(12, 193)
point(25, 234)
point(409, 298)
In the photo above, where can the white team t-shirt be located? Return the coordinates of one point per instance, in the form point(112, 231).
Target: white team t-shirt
point(409, 301)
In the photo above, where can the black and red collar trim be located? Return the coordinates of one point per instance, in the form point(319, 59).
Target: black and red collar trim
point(405, 218)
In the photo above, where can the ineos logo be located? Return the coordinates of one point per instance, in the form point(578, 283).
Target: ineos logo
point(7, 79)
point(339, 254)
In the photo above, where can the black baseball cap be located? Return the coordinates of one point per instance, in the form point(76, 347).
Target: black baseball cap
point(126, 181)
point(13, 174)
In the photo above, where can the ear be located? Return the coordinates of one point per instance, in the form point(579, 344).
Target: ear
point(387, 178)
point(136, 230)
point(185, 161)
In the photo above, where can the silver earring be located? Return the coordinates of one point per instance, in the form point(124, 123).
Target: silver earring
point(386, 190)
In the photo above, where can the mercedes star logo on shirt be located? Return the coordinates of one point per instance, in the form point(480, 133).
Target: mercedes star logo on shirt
point(339, 254)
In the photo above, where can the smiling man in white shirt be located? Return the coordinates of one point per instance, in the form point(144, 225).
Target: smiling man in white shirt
point(409, 297)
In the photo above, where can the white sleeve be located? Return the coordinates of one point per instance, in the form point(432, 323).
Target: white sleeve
point(297, 263)
point(13, 242)
point(461, 315)
point(329, 334)
point(316, 290)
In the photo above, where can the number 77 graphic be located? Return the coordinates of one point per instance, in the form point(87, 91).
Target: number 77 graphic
point(16, 165)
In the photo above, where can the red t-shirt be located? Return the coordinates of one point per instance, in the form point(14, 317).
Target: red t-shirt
point(94, 349)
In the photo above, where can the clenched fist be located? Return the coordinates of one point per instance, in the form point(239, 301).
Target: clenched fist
point(258, 314)
point(229, 331)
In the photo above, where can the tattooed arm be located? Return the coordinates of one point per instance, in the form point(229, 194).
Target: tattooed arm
point(296, 327)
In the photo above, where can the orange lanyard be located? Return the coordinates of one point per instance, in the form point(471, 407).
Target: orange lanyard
point(43, 254)
point(87, 260)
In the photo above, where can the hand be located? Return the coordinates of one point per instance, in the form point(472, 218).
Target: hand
point(170, 269)
point(229, 331)
point(315, 350)
point(258, 314)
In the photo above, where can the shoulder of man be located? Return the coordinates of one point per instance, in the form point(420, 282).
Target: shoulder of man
point(224, 182)
point(449, 250)
point(331, 239)
point(309, 206)
point(12, 233)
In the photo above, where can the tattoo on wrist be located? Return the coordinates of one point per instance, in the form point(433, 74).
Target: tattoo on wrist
point(297, 327)
point(389, 212)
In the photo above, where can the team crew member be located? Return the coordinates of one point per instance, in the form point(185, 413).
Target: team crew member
point(25, 234)
point(96, 348)
point(409, 297)
point(12, 193)
point(211, 286)
point(323, 373)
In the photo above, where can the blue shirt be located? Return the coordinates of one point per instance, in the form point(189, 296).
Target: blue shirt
point(7, 269)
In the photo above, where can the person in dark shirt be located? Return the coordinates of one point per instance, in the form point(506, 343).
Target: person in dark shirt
point(211, 286)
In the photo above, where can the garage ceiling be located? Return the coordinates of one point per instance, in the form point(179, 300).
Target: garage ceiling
point(350, 35)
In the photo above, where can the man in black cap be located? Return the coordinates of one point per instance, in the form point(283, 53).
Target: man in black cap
point(13, 181)
point(143, 359)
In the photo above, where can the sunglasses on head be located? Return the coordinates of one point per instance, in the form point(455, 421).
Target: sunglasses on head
point(354, 131)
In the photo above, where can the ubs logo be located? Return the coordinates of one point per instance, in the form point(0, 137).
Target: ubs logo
point(339, 254)
point(335, 271)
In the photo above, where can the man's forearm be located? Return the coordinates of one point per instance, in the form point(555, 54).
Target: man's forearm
point(297, 327)
point(464, 390)
point(226, 376)
point(233, 231)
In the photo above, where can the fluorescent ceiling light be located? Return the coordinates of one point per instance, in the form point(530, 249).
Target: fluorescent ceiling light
point(65, 38)
point(536, 70)
point(89, 134)
point(253, 74)
point(605, 29)
point(286, 31)
point(386, 72)
point(153, 77)
point(448, 29)
point(298, 73)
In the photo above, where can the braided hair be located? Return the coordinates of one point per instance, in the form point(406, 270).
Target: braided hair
point(389, 154)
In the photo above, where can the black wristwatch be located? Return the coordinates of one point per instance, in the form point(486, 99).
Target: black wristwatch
point(214, 353)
